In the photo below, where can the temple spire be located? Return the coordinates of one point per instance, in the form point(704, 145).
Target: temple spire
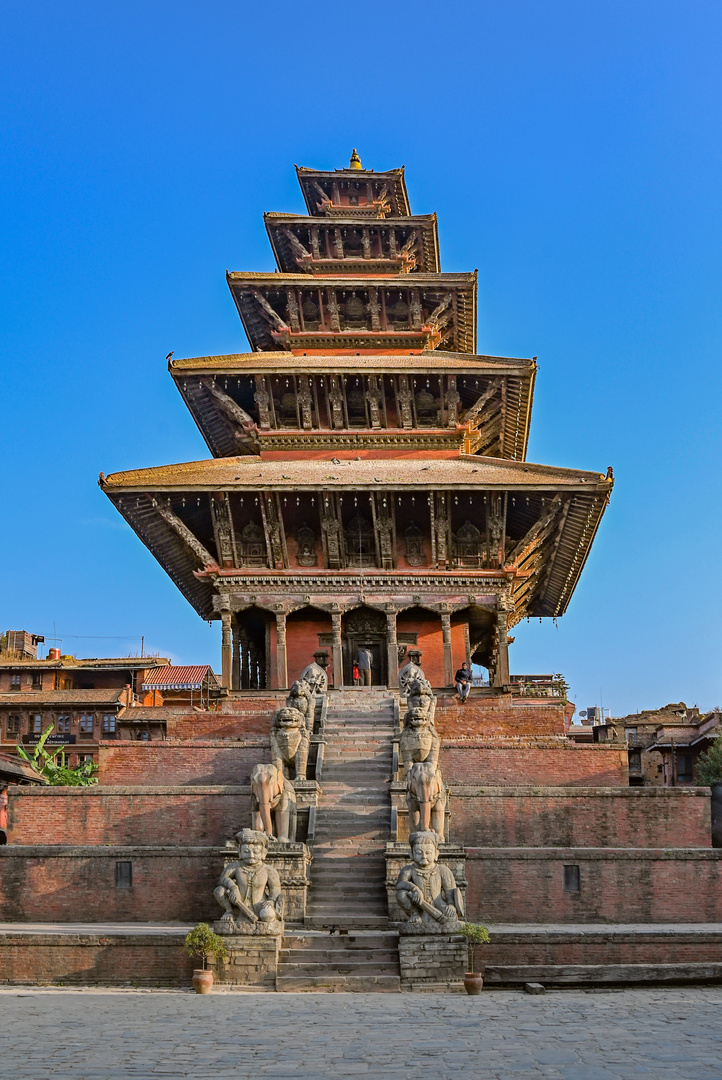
point(355, 162)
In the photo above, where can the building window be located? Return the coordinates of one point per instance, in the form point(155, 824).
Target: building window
point(684, 768)
point(63, 725)
point(16, 680)
point(36, 724)
point(124, 875)
point(571, 879)
point(36, 680)
point(82, 758)
point(108, 723)
point(12, 726)
point(86, 725)
point(635, 760)
point(144, 736)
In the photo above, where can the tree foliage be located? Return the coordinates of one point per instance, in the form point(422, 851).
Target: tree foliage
point(53, 766)
point(475, 935)
point(203, 942)
point(709, 766)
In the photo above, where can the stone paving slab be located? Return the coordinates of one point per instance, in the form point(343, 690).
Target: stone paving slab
point(501, 1035)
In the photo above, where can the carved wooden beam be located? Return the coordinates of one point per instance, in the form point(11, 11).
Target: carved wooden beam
point(472, 413)
point(229, 406)
point(267, 311)
point(223, 529)
point(535, 535)
point(191, 542)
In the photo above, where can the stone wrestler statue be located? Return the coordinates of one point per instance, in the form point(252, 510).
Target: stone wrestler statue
point(427, 891)
point(250, 891)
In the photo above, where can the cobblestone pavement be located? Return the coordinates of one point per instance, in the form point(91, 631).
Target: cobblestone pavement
point(566, 1035)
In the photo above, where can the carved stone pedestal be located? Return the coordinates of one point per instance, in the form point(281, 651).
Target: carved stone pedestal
point(252, 961)
point(432, 962)
point(398, 855)
point(292, 861)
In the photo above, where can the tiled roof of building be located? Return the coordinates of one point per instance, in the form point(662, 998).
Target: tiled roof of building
point(429, 360)
point(107, 663)
point(14, 771)
point(44, 698)
point(179, 677)
point(255, 472)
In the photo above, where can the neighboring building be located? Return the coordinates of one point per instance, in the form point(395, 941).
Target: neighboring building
point(81, 698)
point(181, 685)
point(13, 771)
point(368, 484)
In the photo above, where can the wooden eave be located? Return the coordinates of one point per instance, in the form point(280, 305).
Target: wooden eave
point(427, 223)
point(245, 283)
point(541, 589)
point(393, 177)
point(224, 439)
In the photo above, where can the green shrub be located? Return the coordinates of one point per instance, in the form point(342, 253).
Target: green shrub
point(475, 935)
point(52, 765)
point(708, 770)
point(202, 942)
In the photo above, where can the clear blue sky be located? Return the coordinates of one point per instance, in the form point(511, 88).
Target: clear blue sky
point(572, 152)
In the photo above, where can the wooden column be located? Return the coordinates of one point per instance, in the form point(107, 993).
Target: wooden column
point(281, 655)
point(236, 663)
point(448, 657)
point(392, 663)
point(501, 671)
point(336, 650)
point(226, 657)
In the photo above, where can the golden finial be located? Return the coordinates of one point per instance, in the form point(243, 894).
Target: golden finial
point(355, 162)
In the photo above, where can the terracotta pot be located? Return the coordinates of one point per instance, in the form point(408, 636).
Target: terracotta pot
point(473, 982)
point(202, 981)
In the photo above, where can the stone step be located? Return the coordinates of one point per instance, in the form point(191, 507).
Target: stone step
point(338, 965)
point(315, 939)
point(361, 984)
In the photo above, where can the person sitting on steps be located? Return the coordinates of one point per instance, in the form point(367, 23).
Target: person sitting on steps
point(463, 682)
point(364, 662)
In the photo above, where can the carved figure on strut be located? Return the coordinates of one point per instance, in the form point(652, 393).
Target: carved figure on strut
point(427, 891)
point(273, 802)
point(250, 891)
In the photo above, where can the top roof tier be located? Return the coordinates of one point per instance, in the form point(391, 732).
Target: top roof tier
point(354, 192)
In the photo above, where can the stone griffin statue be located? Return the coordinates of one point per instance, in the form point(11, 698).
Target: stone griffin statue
point(427, 891)
point(290, 741)
point(410, 672)
point(273, 802)
point(250, 891)
point(419, 747)
point(302, 697)
point(315, 676)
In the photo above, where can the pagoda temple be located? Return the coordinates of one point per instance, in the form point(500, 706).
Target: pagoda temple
point(368, 481)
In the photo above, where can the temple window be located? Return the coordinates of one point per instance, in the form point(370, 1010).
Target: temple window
point(572, 879)
point(360, 543)
point(87, 723)
point(253, 545)
point(414, 540)
point(468, 545)
point(306, 541)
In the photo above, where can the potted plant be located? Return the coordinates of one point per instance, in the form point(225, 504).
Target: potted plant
point(708, 773)
point(475, 935)
point(202, 942)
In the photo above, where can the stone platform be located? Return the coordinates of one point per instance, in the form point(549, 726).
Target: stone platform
point(152, 955)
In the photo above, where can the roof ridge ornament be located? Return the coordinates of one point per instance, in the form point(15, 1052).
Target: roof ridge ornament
point(355, 162)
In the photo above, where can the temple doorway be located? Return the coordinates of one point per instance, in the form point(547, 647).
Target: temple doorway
point(365, 627)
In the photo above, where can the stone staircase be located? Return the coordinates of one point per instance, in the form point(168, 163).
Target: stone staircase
point(348, 872)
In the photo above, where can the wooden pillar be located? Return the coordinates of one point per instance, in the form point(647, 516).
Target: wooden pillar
point(236, 663)
point(392, 647)
point(226, 657)
point(336, 650)
point(448, 657)
point(281, 654)
point(501, 672)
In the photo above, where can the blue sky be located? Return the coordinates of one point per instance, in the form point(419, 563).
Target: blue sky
point(572, 153)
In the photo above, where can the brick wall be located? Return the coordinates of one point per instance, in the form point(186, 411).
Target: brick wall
point(636, 885)
point(78, 884)
point(93, 959)
point(501, 715)
point(532, 762)
point(580, 817)
point(187, 762)
point(187, 816)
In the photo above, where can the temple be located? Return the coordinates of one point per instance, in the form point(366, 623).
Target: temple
point(369, 482)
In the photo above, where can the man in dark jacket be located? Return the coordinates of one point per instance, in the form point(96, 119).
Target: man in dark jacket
point(463, 682)
point(364, 662)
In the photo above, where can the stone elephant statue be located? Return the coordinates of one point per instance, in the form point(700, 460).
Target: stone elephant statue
point(273, 802)
point(425, 798)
